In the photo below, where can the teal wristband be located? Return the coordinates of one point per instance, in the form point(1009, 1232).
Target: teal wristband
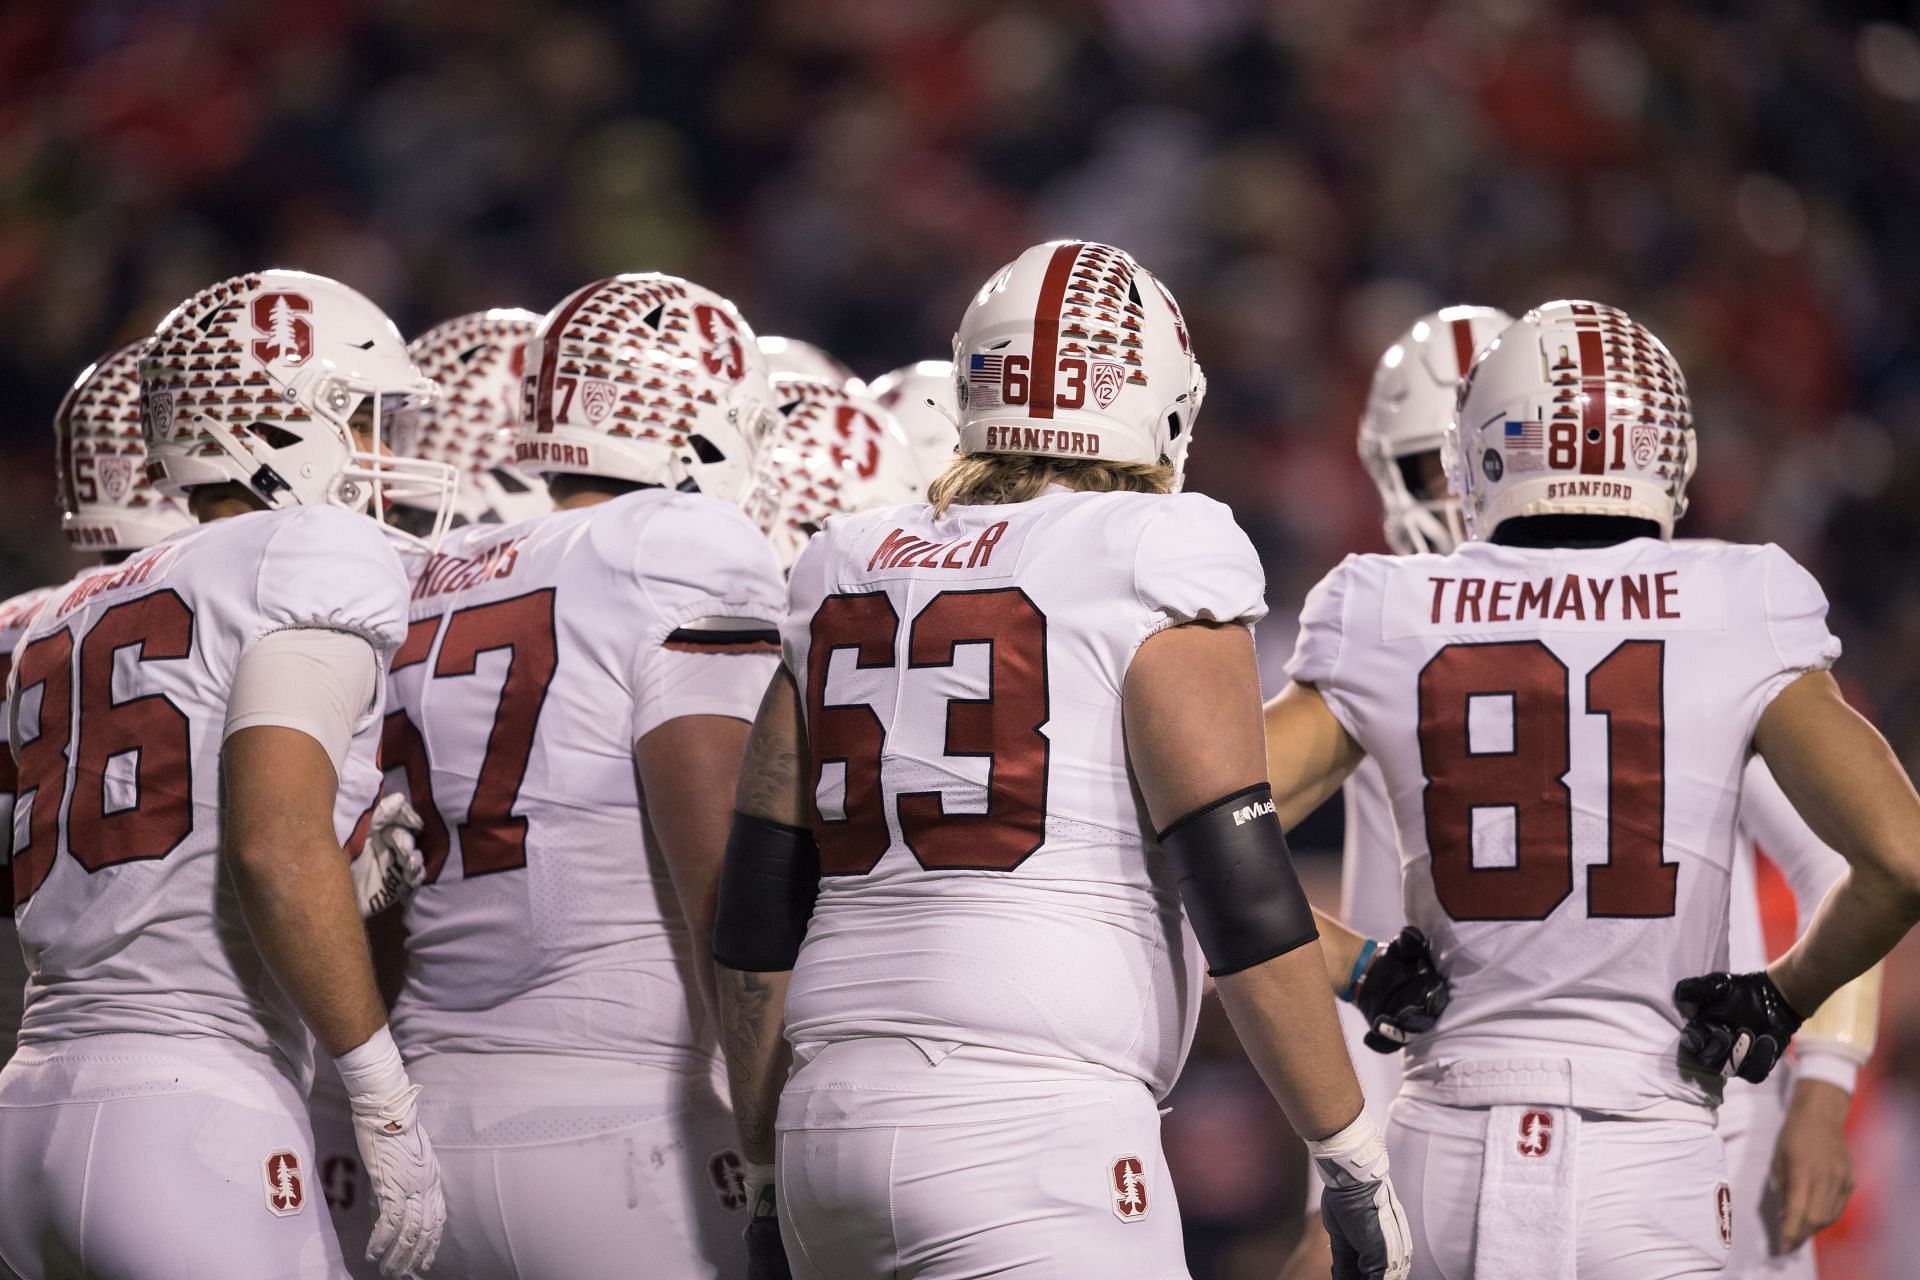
point(1360, 963)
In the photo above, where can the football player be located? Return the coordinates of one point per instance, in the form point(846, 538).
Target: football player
point(108, 509)
point(831, 451)
point(1402, 431)
point(1016, 727)
point(1562, 710)
point(195, 735)
point(569, 712)
point(922, 399)
point(791, 357)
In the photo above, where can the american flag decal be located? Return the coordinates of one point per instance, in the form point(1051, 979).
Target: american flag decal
point(983, 379)
point(1525, 435)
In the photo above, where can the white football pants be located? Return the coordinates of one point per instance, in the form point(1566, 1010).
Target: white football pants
point(560, 1168)
point(132, 1157)
point(1646, 1194)
point(893, 1168)
point(1750, 1121)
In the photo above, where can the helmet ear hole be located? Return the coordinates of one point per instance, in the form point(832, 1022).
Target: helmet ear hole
point(1173, 425)
point(706, 450)
point(273, 437)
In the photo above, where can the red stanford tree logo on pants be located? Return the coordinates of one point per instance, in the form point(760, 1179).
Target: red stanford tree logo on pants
point(286, 1188)
point(1129, 1189)
point(1536, 1134)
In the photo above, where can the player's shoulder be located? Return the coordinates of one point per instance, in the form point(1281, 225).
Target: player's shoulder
point(17, 611)
point(680, 548)
point(324, 566)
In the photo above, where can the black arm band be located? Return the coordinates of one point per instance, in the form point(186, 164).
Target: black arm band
point(1237, 880)
point(767, 887)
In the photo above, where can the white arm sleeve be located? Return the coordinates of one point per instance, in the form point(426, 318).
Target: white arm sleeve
point(317, 681)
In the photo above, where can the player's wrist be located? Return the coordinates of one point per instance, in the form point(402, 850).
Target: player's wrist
point(1837, 1068)
point(374, 1074)
point(1362, 958)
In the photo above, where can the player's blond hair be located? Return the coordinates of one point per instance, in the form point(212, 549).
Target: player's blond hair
point(976, 479)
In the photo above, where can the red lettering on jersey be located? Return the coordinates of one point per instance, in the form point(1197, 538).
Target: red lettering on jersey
point(888, 545)
point(1634, 595)
point(1471, 590)
point(1571, 601)
point(983, 545)
point(1601, 588)
point(1666, 591)
point(1534, 597)
point(1439, 593)
point(1497, 603)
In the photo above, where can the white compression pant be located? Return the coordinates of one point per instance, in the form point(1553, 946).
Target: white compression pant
point(130, 1157)
point(1645, 1193)
point(892, 1166)
point(560, 1168)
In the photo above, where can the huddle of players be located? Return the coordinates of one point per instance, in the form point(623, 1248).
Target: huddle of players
point(1006, 786)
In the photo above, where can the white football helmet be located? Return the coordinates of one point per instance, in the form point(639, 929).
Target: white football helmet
point(1575, 409)
point(258, 381)
point(646, 378)
point(477, 361)
point(1415, 387)
point(831, 451)
point(1074, 350)
point(920, 397)
point(792, 357)
point(106, 503)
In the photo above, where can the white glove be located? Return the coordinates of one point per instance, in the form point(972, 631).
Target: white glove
point(389, 867)
point(397, 1156)
point(1364, 1220)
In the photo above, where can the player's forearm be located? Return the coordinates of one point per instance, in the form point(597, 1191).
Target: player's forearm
point(753, 1029)
point(1285, 1018)
point(1864, 917)
point(297, 898)
point(1339, 949)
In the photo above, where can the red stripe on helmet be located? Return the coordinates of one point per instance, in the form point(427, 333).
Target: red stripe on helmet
point(1463, 344)
point(1046, 326)
point(550, 354)
point(1593, 403)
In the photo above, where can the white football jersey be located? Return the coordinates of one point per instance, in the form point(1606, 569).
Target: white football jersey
point(989, 874)
point(1370, 856)
point(537, 655)
point(119, 701)
point(1563, 734)
point(14, 616)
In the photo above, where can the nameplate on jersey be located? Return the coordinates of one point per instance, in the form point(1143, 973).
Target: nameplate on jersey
point(1653, 600)
point(137, 571)
point(904, 551)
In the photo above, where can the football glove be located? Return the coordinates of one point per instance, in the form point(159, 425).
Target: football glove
point(1738, 1024)
point(1402, 993)
point(397, 1157)
point(389, 867)
point(766, 1256)
point(1365, 1223)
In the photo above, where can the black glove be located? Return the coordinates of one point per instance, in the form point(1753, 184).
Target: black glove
point(1738, 1024)
point(1402, 993)
point(766, 1256)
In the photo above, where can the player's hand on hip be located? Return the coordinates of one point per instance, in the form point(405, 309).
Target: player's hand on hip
point(1365, 1223)
point(766, 1255)
point(398, 1158)
point(1402, 992)
point(389, 867)
point(1812, 1172)
point(1738, 1024)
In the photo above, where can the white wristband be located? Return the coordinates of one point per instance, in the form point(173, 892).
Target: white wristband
point(373, 1074)
point(1359, 1151)
point(1820, 1060)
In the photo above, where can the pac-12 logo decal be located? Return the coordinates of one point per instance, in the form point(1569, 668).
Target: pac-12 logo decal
point(729, 1179)
point(1536, 1134)
point(597, 395)
point(1108, 379)
point(1645, 444)
point(116, 477)
point(1129, 1189)
point(286, 332)
point(1723, 1205)
point(286, 1185)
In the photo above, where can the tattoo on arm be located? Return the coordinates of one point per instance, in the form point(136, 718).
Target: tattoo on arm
point(773, 770)
point(753, 1028)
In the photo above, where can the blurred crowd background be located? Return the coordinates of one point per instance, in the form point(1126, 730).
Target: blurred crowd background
point(1306, 175)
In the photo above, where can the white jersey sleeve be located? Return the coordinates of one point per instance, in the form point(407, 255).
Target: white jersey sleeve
point(328, 568)
point(715, 602)
point(1796, 612)
point(1323, 636)
point(14, 616)
point(1194, 564)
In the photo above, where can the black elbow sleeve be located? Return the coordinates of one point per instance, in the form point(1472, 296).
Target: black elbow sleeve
point(1238, 883)
point(767, 886)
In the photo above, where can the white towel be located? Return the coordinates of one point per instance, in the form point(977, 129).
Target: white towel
point(1526, 1228)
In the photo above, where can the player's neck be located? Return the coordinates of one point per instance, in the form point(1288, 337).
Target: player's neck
point(1571, 531)
point(210, 502)
point(571, 492)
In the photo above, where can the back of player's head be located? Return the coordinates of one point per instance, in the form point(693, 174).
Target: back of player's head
point(830, 451)
point(477, 360)
point(1075, 351)
point(647, 379)
point(1575, 409)
point(1415, 387)
point(106, 502)
point(284, 383)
